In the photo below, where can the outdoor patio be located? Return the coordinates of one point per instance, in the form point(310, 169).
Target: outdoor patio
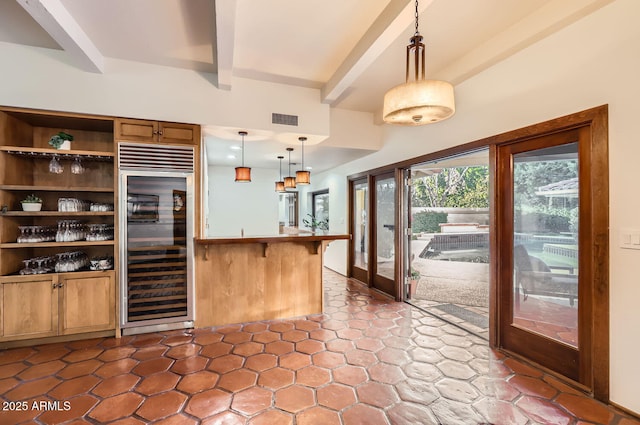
point(457, 290)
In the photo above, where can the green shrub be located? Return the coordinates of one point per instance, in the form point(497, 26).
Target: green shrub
point(428, 221)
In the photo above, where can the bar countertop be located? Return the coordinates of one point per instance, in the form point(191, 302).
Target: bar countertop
point(301, 237)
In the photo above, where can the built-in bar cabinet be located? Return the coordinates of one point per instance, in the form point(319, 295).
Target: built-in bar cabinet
point(56, 265)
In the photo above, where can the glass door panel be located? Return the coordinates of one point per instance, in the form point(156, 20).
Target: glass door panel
point(360, 226)
point(156, 239)
point(385, 233)
point(545, 242)
point(542, 308)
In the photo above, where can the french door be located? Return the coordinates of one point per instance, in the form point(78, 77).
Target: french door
point(545, 251)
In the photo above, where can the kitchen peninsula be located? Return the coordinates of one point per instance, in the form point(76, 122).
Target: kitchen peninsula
point(249, 279)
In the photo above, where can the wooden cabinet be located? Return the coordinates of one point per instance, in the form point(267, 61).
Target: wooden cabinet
point(87, 302)
point(29, 308)
point(130, 130)
point(52, 302)
point(57, 304)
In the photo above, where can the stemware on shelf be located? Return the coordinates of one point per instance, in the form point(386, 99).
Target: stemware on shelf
point(76, 166)
point(72, 205)
point(71, 261)
point(70, 231)
point(34, 234)
point(100, 232)
point(54, 166)
point(38, 265)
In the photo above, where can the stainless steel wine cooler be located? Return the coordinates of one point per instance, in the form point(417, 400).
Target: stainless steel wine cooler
point(156, 189)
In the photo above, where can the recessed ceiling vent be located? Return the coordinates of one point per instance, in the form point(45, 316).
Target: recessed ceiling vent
point(138, 156)
point(284, 119)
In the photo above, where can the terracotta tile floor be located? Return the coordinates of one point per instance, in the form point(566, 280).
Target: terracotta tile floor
point(367, 360)
point(547, 318)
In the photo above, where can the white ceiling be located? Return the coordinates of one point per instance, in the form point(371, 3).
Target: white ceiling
point(352, 50)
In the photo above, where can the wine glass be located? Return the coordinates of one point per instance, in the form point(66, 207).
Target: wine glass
point(76, 167)
point(23, 234)
point(54, 166)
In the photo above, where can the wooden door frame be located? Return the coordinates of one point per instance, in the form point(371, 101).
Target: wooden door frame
point(595, 122)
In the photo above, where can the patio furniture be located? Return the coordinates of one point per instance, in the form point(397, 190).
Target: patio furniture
point(535, 277)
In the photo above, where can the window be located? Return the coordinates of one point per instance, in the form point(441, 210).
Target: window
point(320, 205)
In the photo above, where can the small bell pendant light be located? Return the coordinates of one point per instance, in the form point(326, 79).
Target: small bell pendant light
point(303, 176)
point(289, 182)
point(243, 174)
point(280, 183)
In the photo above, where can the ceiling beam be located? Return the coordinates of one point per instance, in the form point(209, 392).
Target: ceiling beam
point(225, 40)
point(390, 24)
point(55, 19)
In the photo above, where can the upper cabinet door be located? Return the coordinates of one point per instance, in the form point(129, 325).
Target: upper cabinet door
point(129, 130)
point(172, 133)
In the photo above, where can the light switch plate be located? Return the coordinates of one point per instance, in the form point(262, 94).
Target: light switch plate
point(630, 238)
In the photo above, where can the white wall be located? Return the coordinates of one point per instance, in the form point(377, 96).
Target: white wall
point(40, 78)
point(593, 62)
point(235, 206)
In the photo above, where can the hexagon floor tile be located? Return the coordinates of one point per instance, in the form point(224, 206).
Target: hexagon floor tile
point(365, 360)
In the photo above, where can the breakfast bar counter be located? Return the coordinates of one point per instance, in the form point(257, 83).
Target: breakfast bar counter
point(247, 279)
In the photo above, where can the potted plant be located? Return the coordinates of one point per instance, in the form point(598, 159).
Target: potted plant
point(315, 224)
point(61, 141)
point(414, 277)
point(31, 203)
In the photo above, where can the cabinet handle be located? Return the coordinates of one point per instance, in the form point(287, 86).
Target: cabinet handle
point(160, 132)
point(54, 286)
point(60, 285)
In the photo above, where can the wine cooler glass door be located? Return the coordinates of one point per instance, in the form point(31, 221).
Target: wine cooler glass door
point(156, 217)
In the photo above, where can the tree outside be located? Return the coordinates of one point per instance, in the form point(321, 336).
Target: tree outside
point(459, 187)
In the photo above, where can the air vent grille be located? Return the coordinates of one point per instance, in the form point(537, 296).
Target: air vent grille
point(284, 119)
point(138, 156)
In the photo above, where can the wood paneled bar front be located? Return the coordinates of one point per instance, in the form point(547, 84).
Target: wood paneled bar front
point(249, 279)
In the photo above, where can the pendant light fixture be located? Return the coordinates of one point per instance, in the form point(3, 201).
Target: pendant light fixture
point(419, 101)
point(289, 182)
point(243, 174)
point(280, 183)
point(303, 176)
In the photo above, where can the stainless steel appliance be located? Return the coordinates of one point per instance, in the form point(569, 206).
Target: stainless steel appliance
point(156, 190)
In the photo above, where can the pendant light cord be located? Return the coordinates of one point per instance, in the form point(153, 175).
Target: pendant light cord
point(302, 140)
point(416, 15)
point(243, 150)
